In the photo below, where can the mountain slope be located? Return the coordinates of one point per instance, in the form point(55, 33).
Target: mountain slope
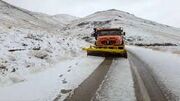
point(138, 30)
point(30, 42)
point(64, 18)
point(17, 17)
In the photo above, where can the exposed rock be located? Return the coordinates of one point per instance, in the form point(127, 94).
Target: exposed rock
point(37, 48)
point(13, 50)
point(14, 70)
point(155, 44)
point(40, 54)
point(64, 91)
point(64, 81)
point(61, 75)
point(2, 66)
point(87, 38)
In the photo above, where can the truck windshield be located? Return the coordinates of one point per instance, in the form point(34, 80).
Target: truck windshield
point(109, 33)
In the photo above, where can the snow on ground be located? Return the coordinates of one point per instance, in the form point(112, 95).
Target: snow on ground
point(50, 83)
point(172, 49)
point(118, 84)
point(164, 65)
point(27, 51)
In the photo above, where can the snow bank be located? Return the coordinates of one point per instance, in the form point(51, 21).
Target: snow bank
point(165, 65)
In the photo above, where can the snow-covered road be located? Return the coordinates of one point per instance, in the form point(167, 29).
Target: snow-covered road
point(145, 83)
point(164, 69)
point(88, 88)
point(118, 84)
point(57, 82)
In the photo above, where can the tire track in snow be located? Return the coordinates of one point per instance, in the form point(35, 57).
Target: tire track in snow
point(146, 86)
point(118, 84)
point(87, 89)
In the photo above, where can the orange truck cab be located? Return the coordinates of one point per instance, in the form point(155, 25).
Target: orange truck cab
point(109, 37)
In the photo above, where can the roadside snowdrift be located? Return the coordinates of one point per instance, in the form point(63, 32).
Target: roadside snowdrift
point(165, 67)
point(57, 81)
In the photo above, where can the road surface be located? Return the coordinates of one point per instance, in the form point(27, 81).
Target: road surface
point(119, 79)
point(88, 88)
point(146, 86)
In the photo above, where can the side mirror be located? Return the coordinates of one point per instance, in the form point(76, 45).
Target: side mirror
point(94, 33)
point(95, 29)
point(120, 28)
point(124, 33)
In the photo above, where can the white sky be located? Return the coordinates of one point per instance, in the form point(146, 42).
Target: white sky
point(162, 11)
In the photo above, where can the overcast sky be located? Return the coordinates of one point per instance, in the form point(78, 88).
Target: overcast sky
point(162, 11)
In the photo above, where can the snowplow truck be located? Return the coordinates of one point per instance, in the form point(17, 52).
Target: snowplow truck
point(109, 43)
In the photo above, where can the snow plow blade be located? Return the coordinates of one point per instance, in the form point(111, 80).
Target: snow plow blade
point(113, 51)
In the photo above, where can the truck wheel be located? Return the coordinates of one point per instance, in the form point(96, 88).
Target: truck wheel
point(125, 55)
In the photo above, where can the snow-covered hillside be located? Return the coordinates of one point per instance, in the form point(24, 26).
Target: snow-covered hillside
point(11, 16)
point(30, 42)
point(138, 30)
point(64, 18)
point(47, 18)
